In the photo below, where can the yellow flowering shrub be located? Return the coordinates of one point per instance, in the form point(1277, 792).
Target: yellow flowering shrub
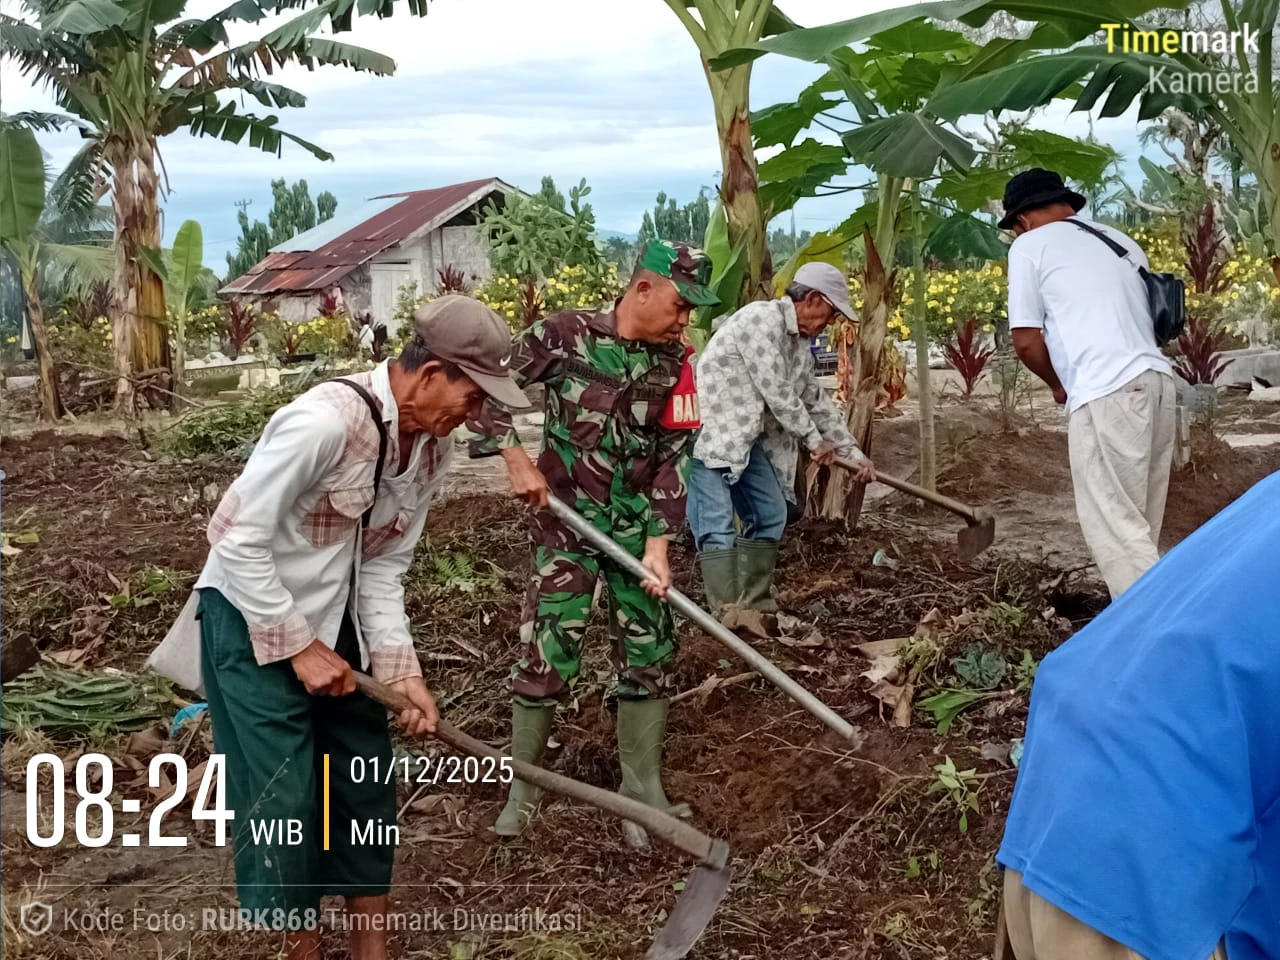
point(10, 350)
point(79, 344)
point(321, 335)
point(331, 336)
point(203, 326)
point(568, 288)
point(1248, 304)
point(953, 298)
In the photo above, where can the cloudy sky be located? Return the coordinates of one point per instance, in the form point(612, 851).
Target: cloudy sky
point(610, 91)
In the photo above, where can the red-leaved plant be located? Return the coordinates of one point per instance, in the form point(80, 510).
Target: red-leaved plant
point(330, 306)
point(531, 305)
point(1200, 344)
point(239, 325)
point(451, 280)
point(1204, 257)
point(967, 356)
point(94, 303)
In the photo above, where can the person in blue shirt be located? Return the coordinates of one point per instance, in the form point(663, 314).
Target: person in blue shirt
point(1145, 822)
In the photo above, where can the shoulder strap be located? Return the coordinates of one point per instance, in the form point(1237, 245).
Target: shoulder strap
point(382, 441)
point(1116, 248)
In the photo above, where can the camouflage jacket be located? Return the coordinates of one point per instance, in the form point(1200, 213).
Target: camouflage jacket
point(603, 445)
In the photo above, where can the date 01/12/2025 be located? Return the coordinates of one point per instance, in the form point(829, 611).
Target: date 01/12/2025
point(432, 770)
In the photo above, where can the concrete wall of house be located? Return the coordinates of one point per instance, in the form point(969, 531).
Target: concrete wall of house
point(305, 305)
point(295, 309)
point(463, 249)
point(357, 290)
point(388, 274)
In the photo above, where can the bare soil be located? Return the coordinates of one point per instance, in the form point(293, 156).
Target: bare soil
point(838, 851)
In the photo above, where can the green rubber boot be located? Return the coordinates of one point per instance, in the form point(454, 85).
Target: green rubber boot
point(530, 728)
point(756, 562)
point(642, 725)
point(720, 578)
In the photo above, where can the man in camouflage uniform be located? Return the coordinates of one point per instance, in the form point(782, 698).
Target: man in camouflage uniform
point(614, 453)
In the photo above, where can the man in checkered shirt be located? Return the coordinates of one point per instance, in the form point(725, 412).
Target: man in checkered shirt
point(303, 586)
point(759, 399)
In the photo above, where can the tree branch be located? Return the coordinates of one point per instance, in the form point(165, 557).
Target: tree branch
point(1134, 200)
point(143, 379)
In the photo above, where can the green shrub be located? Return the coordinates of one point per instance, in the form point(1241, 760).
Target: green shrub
point(229, 428)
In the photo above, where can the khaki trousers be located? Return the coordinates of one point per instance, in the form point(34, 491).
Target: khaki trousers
point(1121, 450)
point(1037, 930)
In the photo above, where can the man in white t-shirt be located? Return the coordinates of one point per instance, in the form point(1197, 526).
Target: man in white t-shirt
point(1081, 323)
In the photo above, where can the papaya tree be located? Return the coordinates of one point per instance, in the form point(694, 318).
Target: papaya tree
point(135, 71)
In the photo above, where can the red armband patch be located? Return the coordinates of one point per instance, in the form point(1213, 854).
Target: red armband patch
point(681, 412)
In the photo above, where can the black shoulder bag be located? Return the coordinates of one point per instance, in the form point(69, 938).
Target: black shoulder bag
point(382, 442)
point(1166, 294)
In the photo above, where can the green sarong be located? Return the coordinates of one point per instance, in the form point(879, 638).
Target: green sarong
point(275, 736)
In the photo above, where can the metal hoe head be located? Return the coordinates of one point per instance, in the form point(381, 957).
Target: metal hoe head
point(976, 535)
point(702, 893)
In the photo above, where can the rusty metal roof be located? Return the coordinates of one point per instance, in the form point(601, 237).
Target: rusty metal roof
point(315, 260)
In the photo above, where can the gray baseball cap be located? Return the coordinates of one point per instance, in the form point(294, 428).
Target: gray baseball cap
point(464, 331)
point(828, 281)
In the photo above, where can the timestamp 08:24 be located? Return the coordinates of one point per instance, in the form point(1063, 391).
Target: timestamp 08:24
point(448, 769)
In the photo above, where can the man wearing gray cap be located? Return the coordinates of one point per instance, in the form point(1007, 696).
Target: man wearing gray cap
point(759, 399)
point(302, 587)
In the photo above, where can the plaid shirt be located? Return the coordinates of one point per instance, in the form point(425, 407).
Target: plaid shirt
point(284, 537)
point(756, 382)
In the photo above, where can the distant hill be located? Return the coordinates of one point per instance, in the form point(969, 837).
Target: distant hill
point(610, 234)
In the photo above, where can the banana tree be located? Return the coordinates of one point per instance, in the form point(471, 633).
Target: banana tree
point(717, 26)
point(65, 254)
point(904, 63)
point(22, 195)
point(136, 71)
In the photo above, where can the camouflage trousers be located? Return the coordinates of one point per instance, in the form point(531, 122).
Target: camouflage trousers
point(557, 608)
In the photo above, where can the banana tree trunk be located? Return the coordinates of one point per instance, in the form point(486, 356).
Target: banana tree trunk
point(739, 184)
point(50, 402)
point(928, 445)
point(141, 341)
point(834, 496)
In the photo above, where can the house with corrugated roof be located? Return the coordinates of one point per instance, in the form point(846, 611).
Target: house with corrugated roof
point(371, 252)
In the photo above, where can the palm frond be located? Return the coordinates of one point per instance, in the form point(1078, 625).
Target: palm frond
point(264, 56)
point(73, 269)
point(323, 50)
point(340, 19)
point(239, 61)
point(39, 121)
point(267, 94)
point(45, 55)
point(226, 124)
point(74, 195)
